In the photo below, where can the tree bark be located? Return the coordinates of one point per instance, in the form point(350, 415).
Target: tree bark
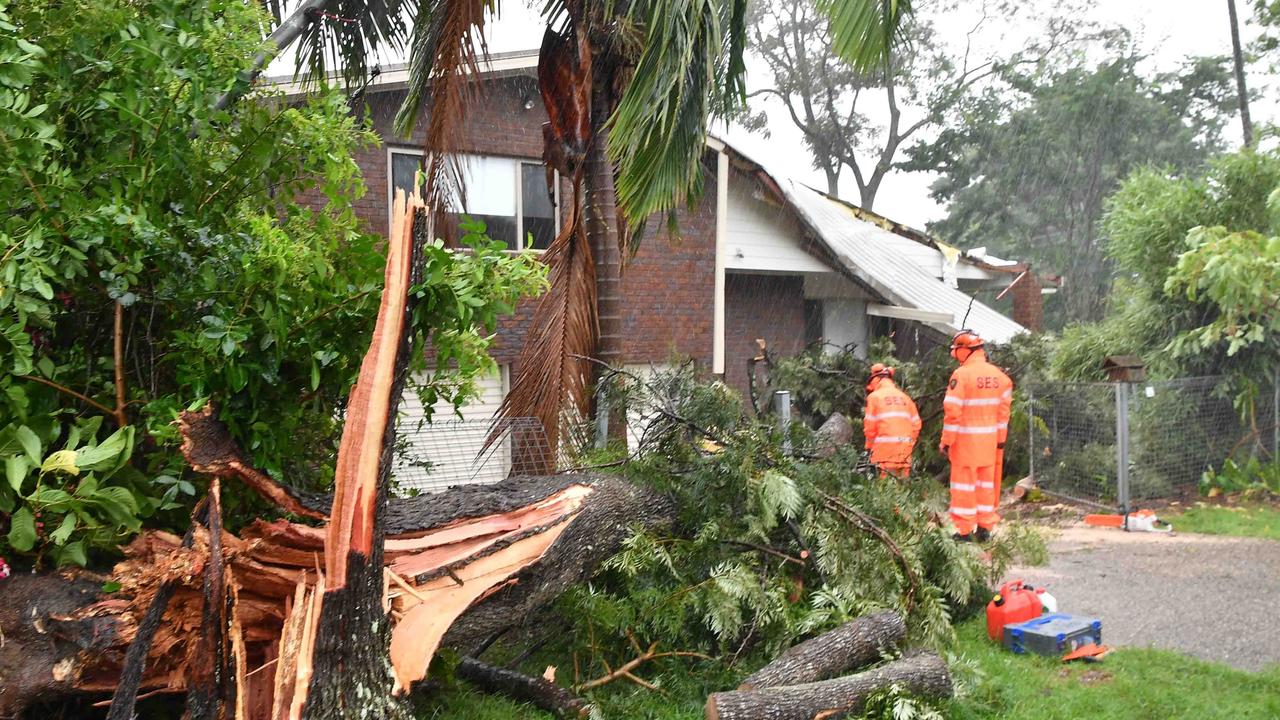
point(602, 233)
point(923, 675)
point(1242, 93)
point(543, 694)
point(850, 646)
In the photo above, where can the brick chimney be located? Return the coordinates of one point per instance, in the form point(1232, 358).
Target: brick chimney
point(1028, 303)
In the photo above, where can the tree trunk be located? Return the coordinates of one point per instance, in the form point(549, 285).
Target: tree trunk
point(1242, 93)
point(602, 233)
point(924, 675)
point(850, 646)
point(543, 694)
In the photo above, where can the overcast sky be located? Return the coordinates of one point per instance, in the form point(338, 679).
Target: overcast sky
point(1166, 30)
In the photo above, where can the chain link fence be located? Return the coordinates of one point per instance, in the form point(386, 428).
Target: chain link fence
point(435, 456)
point(1113, 444)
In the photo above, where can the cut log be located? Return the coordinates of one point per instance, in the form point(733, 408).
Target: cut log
point(540, 693)
point(924, 675)
point(853, 645)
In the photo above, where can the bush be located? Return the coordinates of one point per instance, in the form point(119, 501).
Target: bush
point(768, 548)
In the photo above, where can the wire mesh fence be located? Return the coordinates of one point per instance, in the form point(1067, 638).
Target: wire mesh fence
point(1111, 444)
point(431, 457)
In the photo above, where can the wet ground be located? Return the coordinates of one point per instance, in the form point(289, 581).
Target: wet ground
point(1213, 597)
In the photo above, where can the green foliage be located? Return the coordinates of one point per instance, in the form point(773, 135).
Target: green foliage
point(767, 549)
point(1251, 476)
point(82, 497)
point(1029, 172)
point(133, 199)
point(1202, 259)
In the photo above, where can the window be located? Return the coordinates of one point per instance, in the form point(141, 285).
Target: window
point(509, 196)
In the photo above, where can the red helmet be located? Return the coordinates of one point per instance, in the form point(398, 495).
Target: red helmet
point(965, 340)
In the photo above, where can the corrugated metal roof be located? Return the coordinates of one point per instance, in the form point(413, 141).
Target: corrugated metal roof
point(884, 261)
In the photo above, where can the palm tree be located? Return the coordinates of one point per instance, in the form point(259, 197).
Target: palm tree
point(630, 86)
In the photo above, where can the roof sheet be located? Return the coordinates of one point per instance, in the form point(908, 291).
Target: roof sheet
point(883, 260)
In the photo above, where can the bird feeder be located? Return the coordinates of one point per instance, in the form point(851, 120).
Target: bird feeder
point(1125, 368)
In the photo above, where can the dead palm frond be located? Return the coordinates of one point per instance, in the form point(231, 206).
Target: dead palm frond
point(553, 378)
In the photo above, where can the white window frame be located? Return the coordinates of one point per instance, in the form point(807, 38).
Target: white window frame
point(516, 188)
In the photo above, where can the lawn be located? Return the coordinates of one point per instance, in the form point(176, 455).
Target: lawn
point(1257, 520)
point(1130, 684)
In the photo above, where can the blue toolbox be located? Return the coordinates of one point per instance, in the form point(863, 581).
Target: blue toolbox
point(1053, 634)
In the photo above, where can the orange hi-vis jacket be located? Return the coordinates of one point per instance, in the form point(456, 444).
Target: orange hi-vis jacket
point(976, 411)
point(891, 425)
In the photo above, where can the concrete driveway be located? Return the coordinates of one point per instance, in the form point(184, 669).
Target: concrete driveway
point(1213, 597)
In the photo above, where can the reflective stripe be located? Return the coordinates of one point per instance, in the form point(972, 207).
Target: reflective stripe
point(986, 485)
point(964, 512)
point(986, 508)
point(891, 439)
point(971, 430)
point(1002, 426)
point(885, 416)
point(968, 487)
point(974, 402)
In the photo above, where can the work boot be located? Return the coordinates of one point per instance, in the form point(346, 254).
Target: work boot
point(962, 538)
point(983, 535)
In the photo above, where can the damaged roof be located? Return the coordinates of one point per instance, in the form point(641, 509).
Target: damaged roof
point(882, 260)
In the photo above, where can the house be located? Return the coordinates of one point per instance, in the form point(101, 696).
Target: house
point(759, 256)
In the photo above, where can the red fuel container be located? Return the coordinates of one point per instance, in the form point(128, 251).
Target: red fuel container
point(1014, 603)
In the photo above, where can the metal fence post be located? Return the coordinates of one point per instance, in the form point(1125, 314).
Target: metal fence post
point(602, 418)
point(782, 406)
point(1031, 432)
point(1122, 445)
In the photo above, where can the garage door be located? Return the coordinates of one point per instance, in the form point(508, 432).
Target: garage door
point(447, 451)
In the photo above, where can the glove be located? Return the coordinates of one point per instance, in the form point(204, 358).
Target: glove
point(944, 448)
point(999, 446)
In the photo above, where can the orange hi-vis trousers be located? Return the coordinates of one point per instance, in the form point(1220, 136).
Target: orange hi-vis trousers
point(975, 494)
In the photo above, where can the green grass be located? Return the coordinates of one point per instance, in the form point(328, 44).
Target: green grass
point(1130, 684)
point(1243, 521)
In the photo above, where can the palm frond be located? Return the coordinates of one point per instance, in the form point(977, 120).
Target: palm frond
point(865, 32)
point(343, 35)
point(690, 67)
point(553, 379)
point(444, 56)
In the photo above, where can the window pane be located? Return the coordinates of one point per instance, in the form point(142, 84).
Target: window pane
point(491, 195)
point(539, 215)
point(403, 168)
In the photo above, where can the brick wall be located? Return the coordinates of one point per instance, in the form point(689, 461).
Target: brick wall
point(760, 306)
point(669, 284)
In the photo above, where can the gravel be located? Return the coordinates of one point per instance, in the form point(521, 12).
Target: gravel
point(1215, 598)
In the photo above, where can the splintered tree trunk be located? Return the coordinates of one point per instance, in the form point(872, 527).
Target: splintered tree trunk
point(351, 673)
point(603, 234)
point(850, 646)
point(922, 675)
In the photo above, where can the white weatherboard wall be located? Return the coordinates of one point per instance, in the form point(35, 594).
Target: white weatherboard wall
point(638, 418)
point(451, 445)
point(763, 237)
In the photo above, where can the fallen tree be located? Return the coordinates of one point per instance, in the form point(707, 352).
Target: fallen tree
point(309, 621)
point(925, 675)
point(458, 567)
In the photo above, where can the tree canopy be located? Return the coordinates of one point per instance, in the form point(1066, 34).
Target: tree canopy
point(1028, 173)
